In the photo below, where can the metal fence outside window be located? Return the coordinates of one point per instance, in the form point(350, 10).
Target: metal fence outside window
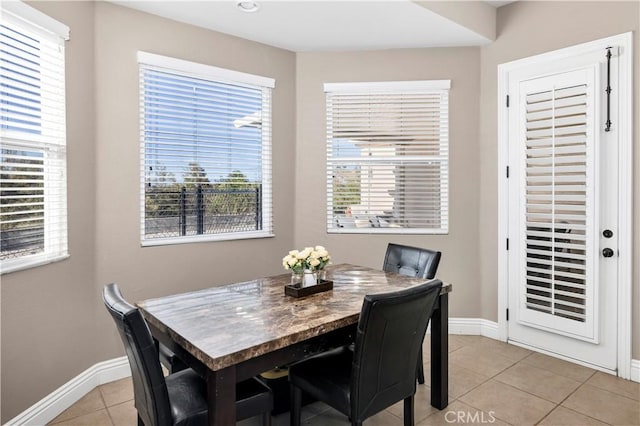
point(198, 210)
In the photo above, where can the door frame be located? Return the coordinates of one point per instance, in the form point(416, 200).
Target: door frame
point(625, 179)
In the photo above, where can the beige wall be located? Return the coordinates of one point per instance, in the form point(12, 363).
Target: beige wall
point(154, 271)
point(48, 312)
point(53, 323)
point(525, 29)
point(462, 65)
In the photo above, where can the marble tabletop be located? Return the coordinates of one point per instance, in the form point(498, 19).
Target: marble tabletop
point(224, 325)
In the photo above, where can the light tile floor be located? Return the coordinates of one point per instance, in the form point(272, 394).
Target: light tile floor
point(490, 382)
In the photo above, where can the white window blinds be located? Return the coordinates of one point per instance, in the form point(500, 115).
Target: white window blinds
point(205, 152)
point(388, 157)
point(33, 211)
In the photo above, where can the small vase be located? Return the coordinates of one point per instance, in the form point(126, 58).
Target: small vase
point(309, 278)
point(296, 278)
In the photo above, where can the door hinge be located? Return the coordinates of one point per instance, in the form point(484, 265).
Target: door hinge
point(507, 172)
point(507, 101)
point(507, 314)
point(507, 244)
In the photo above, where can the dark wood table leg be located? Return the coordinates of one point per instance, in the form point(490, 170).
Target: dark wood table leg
point(440, 354)
point(221, 393)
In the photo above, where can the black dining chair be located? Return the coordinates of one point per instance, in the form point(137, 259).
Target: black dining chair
point(380, 371)
point(180, 398)
point(412, 262)
point(169, 360)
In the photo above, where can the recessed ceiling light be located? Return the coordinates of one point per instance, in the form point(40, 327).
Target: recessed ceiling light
point(248, 6)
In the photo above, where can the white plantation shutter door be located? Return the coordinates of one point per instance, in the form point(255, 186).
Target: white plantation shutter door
point(388, 157)
point(33, 211)
point(205, 152)
point(559, 195)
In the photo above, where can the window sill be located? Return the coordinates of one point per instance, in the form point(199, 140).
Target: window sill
point(390, 230)
point(204, 238)
point(29, 262)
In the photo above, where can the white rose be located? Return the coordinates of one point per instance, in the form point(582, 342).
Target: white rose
point(304, 254)
point(293, 253)
point(314, 262)
point(320, 248)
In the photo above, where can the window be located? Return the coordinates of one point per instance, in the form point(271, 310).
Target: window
point(388, 157)
point(33, 205)
point(205, 152)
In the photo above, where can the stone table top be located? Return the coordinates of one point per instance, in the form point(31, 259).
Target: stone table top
point(222, 326)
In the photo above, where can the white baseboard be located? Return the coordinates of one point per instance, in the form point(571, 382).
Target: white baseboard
point(474, 327)
point(635, 370)
point(45, 410)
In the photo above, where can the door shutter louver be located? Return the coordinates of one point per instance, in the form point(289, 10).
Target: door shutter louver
point(387, 157)
point(559, 202)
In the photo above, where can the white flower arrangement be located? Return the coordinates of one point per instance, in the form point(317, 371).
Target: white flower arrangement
point(311, 258)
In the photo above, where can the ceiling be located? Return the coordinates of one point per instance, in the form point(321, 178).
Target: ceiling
point(321, 25)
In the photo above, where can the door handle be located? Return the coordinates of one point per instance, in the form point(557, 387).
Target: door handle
point(607, 252)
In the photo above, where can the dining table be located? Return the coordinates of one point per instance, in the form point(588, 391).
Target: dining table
point(229, 333)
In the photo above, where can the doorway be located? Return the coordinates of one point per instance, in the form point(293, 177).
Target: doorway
point(565, 212)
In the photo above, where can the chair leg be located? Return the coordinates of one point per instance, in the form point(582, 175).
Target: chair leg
point(140, 422)
point(420, 368)
point(295, 405)
point(408, 411)
point(266, 419)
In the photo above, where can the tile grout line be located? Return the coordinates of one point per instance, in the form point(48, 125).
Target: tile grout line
point(555, 374)
point(613, 390)
point(513, 387)
point(545, 399)
point(104, 407)
point(615, 394)
point(569, 396)
point(104, 402)
point(488, 377)
point(524, 391)
point(450, 365)
point(574, 411)
point(480, 384)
